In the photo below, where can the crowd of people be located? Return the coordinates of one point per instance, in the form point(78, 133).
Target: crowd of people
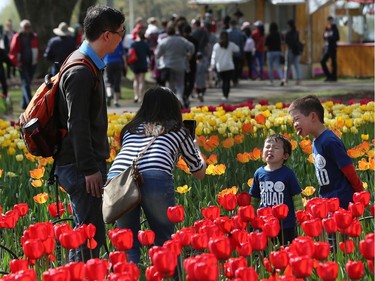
point(187, 56)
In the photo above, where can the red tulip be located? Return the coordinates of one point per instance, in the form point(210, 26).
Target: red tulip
point(347, 246)
point(370, 264)
point(355, 229)
point(212, 230)
point(355, 269)
point(96, 269)
point(165, 261)
point(258, 240)
point(49, 245)
point(244, 249)
point(267, 265)
point(372, 210)
point(257, 222)
point(238, 223)
point(33, 248)
point(246, 213)
point(175, 214)
point(76, 270)
point(205, 269)
point(228, 201)
point(173, 245)
point(303, 245)
point(122, 239)
point(22, 209)
point(243, 198)
point(38, 231)
point(199, 241)
point(271, 227)
point(328, 271)
point(220, 247)
point(10, 219)
point(329, 225)
point(61, 228)
point(129, 268)
point(362, 197)
point(117, 256)
point(343, 218)
point(246, 274)
point(319, 209)
point(71, 240)
point(211, 212)
point(56, 274)
point(152, 274)
point(302, 266)
point(321, 250)
point(312, 227)
point(146, 237)
point(356, 209)
point(366, 247)
point(302, 216)
point(280, 211)
point(224, 223)
point(279, 259)
point(265, 211)
point(18, 265)
point(232, 265)
point(333, 204)
point(52, 209)
point(183, 236)
point(90, 230)
point(239, 236)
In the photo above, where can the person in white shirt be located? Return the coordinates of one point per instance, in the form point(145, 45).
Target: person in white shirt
point(222, 61)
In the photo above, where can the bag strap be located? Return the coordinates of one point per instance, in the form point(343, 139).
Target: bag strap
point(144, 150)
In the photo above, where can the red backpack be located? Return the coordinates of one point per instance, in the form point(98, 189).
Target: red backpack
point(38, 124)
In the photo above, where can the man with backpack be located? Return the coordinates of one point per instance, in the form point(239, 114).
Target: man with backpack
point(82, 111)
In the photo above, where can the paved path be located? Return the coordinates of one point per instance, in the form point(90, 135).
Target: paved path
point(248, 89)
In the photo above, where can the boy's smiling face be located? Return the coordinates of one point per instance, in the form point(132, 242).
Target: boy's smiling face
point(301, 123)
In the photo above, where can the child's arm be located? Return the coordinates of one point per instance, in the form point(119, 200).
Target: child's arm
point(297, 202)
point(255, 202)
point(352, 176)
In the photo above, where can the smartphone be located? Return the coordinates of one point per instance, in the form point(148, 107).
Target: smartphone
point(190, 125)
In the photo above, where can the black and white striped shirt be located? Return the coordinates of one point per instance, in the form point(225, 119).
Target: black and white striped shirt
point(161, 155)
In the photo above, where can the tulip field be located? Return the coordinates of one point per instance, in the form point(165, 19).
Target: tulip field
point(218, 234)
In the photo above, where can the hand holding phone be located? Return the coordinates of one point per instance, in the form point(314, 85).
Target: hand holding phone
point(190, 125)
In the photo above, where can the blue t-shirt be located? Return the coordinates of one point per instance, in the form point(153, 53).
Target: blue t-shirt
point(275, 188)
point(116, 55)
point(329, 157)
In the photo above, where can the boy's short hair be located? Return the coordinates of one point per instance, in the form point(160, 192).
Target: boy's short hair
point(100, 19)
point(287, 146)
point(308, 104)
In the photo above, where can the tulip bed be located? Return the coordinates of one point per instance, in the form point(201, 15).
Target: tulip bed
point(219, 236)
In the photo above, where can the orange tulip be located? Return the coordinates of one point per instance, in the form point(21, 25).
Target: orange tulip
point(212, 159)
point(181, 164)
point(227, 143)
point(260, 119)
point(238, 139)
point(247, 128)
point(256, 154)
point(37, 173)
point(41, 198)
point(306, 146)
point(243, 157)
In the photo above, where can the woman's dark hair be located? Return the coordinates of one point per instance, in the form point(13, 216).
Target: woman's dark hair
point(171, 28)
point(261, 29)
point(291, 24)
point(223, 39)
point(160, 106)
point(273, 27)
point(99, 19)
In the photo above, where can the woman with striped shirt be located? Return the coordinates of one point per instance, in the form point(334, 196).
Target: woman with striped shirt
point(159, 115)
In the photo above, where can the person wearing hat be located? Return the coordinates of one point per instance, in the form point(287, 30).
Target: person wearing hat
point(60, 46)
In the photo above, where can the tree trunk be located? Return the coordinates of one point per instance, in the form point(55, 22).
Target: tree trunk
point(45, 15)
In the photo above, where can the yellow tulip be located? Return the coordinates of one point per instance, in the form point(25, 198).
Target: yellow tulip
point(19, 157)
point(36, 183)
point(41, 198)
point(308, 191)
point(183, 189)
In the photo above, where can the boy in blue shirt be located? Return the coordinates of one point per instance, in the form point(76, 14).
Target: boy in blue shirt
point(276, 184)
point(334, 169)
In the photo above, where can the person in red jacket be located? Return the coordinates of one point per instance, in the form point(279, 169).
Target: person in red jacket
point(24, 55)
